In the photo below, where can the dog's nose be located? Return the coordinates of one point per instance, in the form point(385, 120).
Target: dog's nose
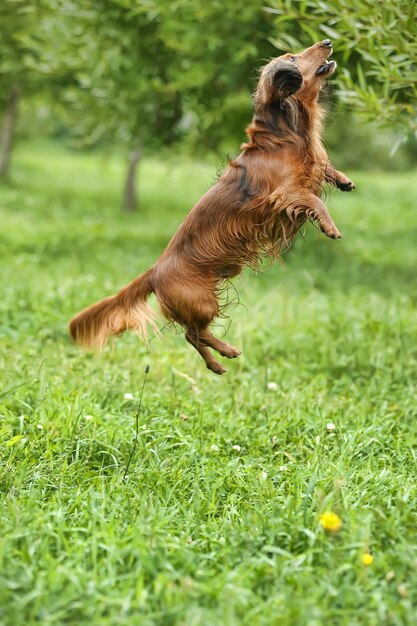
point(327, 43)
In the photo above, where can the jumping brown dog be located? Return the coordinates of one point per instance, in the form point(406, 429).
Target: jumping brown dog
point(256, 207)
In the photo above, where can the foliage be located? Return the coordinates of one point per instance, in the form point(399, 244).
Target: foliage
point(128, 72)
point(219, 48)
point(375, 44)
point(154, 71)
point(204, 532)
point(355, 143)
point(17, 17)
point(164, 69)
point(118, 66)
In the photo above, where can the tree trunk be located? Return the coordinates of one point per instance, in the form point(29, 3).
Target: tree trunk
point(7, 131)
point(130, 196)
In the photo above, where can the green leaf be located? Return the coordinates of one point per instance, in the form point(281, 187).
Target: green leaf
point(14, 441)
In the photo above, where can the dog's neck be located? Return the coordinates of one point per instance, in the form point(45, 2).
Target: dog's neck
point(284, 122)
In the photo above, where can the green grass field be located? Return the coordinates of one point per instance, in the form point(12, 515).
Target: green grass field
point(218, 521)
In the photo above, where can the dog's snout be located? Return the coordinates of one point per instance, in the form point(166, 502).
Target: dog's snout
point(327, 43)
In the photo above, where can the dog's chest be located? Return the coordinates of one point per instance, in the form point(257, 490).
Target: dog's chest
point(316, 176)
point(315, 167)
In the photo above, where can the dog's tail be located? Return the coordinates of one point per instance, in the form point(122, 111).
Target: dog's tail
point(127, 310)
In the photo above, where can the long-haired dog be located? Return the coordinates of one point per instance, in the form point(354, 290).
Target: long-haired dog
point(255, 208)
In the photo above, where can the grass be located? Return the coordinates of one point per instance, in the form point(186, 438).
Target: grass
point(217, 522)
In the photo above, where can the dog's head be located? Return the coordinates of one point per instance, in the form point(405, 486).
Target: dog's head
point(299, 75)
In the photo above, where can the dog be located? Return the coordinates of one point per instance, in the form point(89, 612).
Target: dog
point(255, 208)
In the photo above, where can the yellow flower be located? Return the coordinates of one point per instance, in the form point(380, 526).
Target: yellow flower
point(331, 522)
point(367, 559)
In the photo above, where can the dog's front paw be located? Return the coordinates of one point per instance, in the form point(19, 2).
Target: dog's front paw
point(332, 232)
point(345, 185)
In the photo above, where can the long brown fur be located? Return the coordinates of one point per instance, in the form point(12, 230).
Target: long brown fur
point(255, 209)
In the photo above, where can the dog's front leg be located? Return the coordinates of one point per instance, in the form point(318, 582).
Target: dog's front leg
point(338, 179)
point(318, 212)
point(306, 203)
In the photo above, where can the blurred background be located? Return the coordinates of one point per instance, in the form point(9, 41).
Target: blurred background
point(115, 117)
point(173, 78)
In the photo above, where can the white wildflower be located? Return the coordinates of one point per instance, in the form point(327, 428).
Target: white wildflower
point(330, 427)
point(272, 386)
point(237, 448)
point(128, 396)
point(214, 448)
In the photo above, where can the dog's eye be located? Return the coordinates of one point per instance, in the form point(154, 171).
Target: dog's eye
point(293, 59)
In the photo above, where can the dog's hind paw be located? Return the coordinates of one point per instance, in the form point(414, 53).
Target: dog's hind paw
point(216, 367)
point(230, 352)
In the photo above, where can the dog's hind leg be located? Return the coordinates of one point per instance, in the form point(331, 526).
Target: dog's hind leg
point(223, 348)
point(193, 337)
point(194, 308)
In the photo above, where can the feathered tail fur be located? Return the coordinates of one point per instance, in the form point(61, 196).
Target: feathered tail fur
point(127, 310)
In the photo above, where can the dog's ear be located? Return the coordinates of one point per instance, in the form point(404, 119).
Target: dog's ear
point(286, 80)
point(279, 79)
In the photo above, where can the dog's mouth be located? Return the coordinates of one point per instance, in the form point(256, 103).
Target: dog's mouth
point(328, 67)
